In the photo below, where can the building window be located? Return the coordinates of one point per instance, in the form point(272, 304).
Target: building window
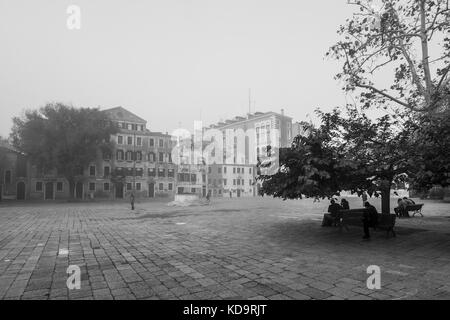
point(130, 127)
point(8, 177)
point(129, 186)
point(106, 171)
point(161, 172)
point(234, 182)
point(138, 186)
point(243, 182)
point(234, 170)
point(39, 186)
point(120, 139)
point(161, 157)
point(224, 182)
point(139, 141)
point(170, 186)
point(59, 187)
point(92, 171)
point(193, 178)
point(192, 190)
point(152, 142)
point(161, 143)
point(224, 169)
point(106, 156)
point(106, 186)
point(130, 140)
point(151, 172)
point(139, 172)
point(91, 186)
point(139, 156)
point(209, 169)
point(250, 182)
point(239, 182)
point(119, 155)
point(169, 157)
point(151, 157)
point(171, 173)
point(161, 187)
point(250, 170)
point(129, 156)
point(219, 170)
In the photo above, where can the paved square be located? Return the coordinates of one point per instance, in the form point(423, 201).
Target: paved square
point(256, 248)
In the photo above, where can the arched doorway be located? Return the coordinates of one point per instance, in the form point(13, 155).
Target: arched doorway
point(119, 190)
point(20, 195)
point(79, 190)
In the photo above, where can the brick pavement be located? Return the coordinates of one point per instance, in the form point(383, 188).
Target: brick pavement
point(233, 249)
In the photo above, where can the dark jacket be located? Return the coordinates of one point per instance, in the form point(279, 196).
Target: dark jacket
point(371, 215)
point(334, 209)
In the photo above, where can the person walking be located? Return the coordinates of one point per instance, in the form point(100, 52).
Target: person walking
point(132, 201)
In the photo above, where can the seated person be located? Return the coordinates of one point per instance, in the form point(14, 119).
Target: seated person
point(408, 201)
point(345, 205)
point(370, 219)
point(333, 216)
point(400, 211)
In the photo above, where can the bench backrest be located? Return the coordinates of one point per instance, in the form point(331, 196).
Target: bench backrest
point(352, 213)
point(414, 206)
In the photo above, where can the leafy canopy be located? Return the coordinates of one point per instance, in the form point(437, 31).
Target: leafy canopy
point(63, 137)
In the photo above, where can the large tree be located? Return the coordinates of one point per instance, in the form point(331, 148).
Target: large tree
point(405, 40)
point(346, 152)
point(63, 138)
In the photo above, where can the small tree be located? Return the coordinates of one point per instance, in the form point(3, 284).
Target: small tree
point(63, 138)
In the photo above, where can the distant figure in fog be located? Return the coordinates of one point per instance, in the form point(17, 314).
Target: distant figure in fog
point(345, 205)
point(364, 198)
point(132, 201)
point(208, 196)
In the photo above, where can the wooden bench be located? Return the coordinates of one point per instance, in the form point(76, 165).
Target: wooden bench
point(415, 208)
point(354, 217)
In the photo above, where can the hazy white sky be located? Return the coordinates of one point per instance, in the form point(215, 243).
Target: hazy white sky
point(170, 61)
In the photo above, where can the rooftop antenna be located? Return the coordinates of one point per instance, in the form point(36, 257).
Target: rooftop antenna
point(249, 101)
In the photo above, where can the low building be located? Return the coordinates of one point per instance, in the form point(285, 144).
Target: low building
point(228, 180)
point(14, 184)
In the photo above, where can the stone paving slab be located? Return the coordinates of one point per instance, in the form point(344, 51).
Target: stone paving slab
point(234, 249)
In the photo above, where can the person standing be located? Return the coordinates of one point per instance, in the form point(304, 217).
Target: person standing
point(364, 198)
point(370, 219)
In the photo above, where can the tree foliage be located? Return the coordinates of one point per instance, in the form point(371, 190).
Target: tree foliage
point(346, 152)
point(62, 137)
point(407, 39)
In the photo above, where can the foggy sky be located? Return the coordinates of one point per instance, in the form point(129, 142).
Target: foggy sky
point(171, 62)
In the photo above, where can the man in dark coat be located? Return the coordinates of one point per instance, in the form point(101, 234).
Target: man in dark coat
point(370, 219)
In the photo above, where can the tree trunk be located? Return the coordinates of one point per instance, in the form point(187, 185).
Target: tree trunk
point(386, 201)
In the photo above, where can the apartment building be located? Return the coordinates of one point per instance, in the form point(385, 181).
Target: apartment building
point(246, 142)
